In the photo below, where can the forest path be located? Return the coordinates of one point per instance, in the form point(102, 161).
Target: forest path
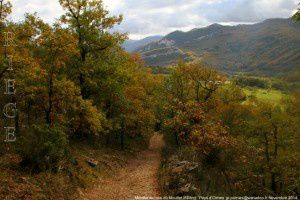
point(138, 178)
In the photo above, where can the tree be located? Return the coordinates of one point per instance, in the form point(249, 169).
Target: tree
point(137, 112)
point(178, 83)
point(296, 16)
point(204, 78)
point(40, 65)
point(90, 22)
point(274, 127)
point(55, 49)
point(193, 81)
point(5, 10)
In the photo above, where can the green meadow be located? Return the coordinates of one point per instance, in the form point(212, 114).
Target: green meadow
point(268, 95)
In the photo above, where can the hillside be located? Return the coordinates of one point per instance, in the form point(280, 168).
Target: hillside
point(132, 45)
point(272, 46)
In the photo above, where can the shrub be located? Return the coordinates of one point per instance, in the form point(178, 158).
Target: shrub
point(42, 148)
point(86, 120)
point(245, 81)
point(279, 85)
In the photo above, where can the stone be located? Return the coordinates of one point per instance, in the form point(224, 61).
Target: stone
point(92, 162)
point(182, 180)
point(192, 166)
point(186, 188)
point(178, 169)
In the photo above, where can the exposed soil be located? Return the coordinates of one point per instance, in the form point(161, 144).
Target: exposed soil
point(137, 179)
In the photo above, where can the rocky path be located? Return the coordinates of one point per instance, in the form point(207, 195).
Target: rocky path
point(137, 179)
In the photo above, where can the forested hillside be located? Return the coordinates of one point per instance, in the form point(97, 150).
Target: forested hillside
point(270, 47)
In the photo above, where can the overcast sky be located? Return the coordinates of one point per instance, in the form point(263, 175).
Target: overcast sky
point(158, 17)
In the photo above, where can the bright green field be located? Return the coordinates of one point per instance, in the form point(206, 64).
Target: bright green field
point(272, 96)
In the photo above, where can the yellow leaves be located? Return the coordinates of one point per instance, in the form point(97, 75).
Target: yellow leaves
point(139, 94)
point(194, 81)
point(138, 116)
point(135, 93)
point(59, 46)
point(92, 119)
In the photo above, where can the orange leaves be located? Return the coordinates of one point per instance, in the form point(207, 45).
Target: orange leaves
point(196, 127)
point(209, 136)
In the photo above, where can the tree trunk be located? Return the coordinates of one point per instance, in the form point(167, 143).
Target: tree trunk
point(275, 154)
point(227, 179)
point(273, 182)
point(107, 139)
point(122, 140)
point(197, 93)
point(275, 142)
point(81, 75)
point(16, 120)
point(267, 148)
point(176, 139)
point(208, 95)
point(28, 114)
point(50, 102)
point(122, 136)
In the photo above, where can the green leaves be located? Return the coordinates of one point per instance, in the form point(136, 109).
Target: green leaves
point(91, 22)
point(42, 147)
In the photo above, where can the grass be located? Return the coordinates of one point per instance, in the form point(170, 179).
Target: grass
point(269, 95)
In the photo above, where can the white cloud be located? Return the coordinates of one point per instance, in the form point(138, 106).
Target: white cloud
point(48, 10)
point(151, 17)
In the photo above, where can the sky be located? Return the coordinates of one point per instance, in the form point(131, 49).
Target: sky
point(144, 18)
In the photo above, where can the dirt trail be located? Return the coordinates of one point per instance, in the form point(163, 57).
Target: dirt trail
point(138, 178)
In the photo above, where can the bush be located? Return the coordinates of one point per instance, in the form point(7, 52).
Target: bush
point(87, 120)
point(42, 148)
point(245, 81)
point(279, 85)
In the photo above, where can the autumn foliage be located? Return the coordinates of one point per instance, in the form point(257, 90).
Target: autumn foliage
point(75, 84)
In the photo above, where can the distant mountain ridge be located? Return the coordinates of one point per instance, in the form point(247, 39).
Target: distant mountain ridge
point(132, 45)
point(272, 46)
